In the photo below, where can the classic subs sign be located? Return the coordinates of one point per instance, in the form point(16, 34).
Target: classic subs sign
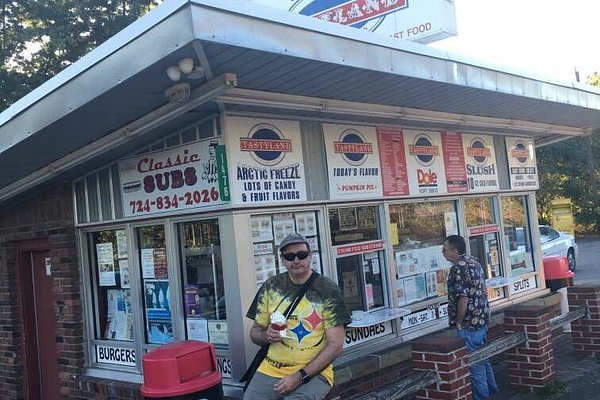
point(188, 176)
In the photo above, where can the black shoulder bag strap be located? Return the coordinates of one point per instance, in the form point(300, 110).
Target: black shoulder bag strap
point(262, 352)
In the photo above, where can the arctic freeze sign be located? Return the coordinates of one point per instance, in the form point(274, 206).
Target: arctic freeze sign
point(423, 21)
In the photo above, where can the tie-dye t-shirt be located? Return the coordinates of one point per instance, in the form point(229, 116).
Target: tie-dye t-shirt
point(320, 309)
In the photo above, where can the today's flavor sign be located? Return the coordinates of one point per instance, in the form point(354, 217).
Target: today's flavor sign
point(265, 161)
point(352, 161)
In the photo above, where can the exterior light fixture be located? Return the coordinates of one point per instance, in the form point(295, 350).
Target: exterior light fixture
point(186, 65)
point(174, 73)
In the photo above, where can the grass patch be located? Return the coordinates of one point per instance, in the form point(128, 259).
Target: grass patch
point(553, 389)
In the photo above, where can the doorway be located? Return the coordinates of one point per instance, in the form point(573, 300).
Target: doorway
point(40, 354)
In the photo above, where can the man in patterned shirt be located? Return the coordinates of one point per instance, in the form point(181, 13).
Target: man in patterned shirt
point(299, 365)
point(469, 311)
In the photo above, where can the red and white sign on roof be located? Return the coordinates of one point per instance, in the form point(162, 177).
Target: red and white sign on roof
point(422, 21)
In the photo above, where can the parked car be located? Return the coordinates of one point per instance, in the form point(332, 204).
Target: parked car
point(555, 243)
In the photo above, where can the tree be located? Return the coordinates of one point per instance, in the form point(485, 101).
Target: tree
point(12, 45)
point(45, 36)
point(569, 169)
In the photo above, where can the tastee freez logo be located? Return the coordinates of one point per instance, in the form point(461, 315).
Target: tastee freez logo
point(266, 144)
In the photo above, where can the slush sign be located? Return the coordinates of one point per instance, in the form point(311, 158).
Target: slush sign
point(423, 21)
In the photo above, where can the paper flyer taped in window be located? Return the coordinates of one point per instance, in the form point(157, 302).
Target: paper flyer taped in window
point(106, 264)
point(147, 261)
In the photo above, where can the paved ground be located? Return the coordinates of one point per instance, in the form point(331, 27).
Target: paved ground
point(576, 378)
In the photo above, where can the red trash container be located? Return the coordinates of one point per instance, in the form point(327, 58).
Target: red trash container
point(185, 370)
point(557, 272)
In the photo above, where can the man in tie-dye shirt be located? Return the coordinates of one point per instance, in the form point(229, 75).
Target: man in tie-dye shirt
point(297, 366)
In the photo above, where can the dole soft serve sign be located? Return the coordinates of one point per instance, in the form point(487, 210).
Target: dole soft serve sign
point(352, 161)
point(425, 163)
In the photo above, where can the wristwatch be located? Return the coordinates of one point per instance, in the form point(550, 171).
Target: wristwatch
point(305, 376)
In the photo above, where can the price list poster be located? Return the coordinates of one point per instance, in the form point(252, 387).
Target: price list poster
point(393, 161)
point(454, 162)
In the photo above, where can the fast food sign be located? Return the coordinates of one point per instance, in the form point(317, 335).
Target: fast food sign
point(423, 21)
point(189, 176)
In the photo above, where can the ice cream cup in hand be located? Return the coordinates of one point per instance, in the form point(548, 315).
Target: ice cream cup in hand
point(279, 323)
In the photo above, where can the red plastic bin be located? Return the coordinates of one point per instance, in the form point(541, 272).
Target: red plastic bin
point(181, 368)
point(557, 272)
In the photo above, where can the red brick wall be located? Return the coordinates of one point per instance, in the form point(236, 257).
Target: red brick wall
point(45, 215)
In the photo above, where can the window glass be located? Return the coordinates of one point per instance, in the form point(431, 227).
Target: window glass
point(354, 224)
point(361, 280)
point(547, 234)
point(480, 211)
point(203, 288)
point(516, 234)
point(110, 270)
point(155, 284)
point(268, 230)
point(484, 235)
point(418, 233)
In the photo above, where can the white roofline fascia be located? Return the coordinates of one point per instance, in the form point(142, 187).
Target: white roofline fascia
point(255, 10)
point(112, 45)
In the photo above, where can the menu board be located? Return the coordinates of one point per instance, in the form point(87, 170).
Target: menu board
point(482, 170)
point(265, 161)
point(454, 162)
point(393, 161)
point(521, 163)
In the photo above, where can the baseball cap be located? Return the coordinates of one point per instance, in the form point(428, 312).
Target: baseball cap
point(293, 239)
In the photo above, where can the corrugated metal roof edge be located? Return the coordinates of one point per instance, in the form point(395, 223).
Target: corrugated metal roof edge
point(111, 46)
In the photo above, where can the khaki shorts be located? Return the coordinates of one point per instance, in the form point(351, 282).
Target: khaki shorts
point(261, 388)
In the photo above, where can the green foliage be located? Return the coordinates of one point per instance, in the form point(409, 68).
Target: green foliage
point(553, 390)
point(594, 79)
point(564, 171)
point(39, 38)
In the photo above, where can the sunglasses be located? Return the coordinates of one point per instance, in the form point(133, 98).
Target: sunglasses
point(291, 256)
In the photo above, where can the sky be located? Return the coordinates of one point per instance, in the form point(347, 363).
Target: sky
point(548, 37)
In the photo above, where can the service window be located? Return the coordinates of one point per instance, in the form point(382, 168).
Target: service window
point(360, 264)
point(268, 230)
point(418, 231)
point(111, 280)
point(154, 270)
point(517, 237)
point(203, 287)
point(484, 235)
